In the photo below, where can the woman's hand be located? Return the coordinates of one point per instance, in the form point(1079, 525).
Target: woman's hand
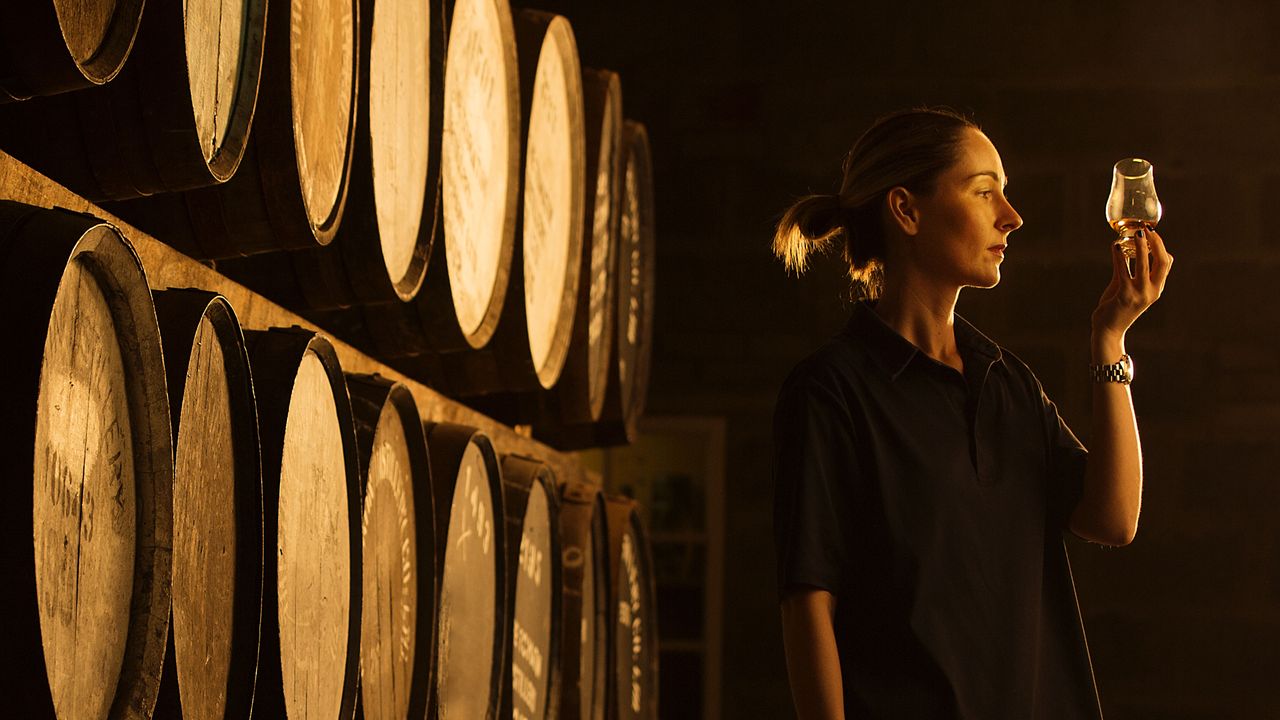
point(1128, 297)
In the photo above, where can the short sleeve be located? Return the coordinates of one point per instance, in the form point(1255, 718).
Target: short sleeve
point(813, 469)
point(1066, 461)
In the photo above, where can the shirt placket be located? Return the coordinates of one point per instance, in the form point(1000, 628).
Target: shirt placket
point(980, 454)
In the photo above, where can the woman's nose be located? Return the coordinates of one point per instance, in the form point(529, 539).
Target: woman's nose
point(1010, 220)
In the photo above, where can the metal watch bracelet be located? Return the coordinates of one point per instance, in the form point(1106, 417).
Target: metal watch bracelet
point(1117, 372)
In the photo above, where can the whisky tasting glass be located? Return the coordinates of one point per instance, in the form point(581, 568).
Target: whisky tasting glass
point(1132, 205)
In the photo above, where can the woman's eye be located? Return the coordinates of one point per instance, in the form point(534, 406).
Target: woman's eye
point(985, 193)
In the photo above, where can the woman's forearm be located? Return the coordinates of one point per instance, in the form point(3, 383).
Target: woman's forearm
point(813, 663)
point(1112, 498)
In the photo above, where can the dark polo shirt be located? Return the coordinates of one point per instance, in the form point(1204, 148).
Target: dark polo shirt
point(932, 504)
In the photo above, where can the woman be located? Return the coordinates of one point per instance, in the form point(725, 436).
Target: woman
point(923, 478)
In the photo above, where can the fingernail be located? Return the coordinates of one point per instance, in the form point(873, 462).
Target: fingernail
point(1141, 234)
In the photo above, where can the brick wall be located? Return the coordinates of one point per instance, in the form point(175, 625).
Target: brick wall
point(751, 103)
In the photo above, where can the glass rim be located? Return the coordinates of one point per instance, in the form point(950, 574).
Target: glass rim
point(1145, 165)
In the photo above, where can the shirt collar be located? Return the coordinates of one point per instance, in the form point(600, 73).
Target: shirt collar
point(894, 352)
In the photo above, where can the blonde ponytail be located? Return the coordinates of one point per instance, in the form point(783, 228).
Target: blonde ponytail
point(809, 226)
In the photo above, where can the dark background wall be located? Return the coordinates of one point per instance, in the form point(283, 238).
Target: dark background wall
point(750, 104)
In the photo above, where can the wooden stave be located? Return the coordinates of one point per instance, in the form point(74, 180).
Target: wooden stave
point(369, 393)
point(582, 522)
point(180, 312)
point(137, 135)
point(623, 517)
point(36, 238)
point(261, 208)
point(35, 59)
point(448, 443)
point(519, 474)
point(275, 356)
point(618, 421)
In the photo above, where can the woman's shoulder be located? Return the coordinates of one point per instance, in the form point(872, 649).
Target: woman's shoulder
point(833, 366)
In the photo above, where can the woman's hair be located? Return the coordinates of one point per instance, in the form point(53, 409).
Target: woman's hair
point(908, 148)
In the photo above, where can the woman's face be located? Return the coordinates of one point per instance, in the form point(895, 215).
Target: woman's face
point(964, 224)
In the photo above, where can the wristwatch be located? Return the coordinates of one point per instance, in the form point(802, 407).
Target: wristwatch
point(1119, 372)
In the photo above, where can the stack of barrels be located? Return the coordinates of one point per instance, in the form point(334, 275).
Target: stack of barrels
point(221, 521)
point(442, 184)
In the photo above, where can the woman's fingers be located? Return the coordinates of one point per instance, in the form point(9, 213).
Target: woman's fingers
point(1142, 271)
point(1161, 260)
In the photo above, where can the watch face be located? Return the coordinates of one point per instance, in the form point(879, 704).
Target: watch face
point(1126, 362)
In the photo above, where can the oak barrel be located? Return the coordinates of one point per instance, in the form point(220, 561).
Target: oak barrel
point(291, 188)
point(397, 636)
point(86, 605)
point(212, 656)
point(584, 557)
point(474, 626)
point(632, 339)
point(578, 396)
point(381, 249)
point(177, 117)
point(309, 659)
point(466, 284)
point(532, 336)
point(380, 252)
point(533, 590)
point(52, 46)
point(633, 656)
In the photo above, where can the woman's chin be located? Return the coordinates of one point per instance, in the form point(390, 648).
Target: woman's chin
point(986, 283)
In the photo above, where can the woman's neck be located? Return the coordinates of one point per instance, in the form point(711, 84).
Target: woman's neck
point(923, 315)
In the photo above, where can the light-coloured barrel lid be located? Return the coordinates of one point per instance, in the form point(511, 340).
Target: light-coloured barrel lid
point(480, 162)
point(101, 505)
point(322, 93)
point(469, 591)
point(399, 125)
point(390, 648)
point(553, 207)
point(314, 547)
point(604, 239)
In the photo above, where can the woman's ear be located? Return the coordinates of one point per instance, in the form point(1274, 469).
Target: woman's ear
point(903, 210)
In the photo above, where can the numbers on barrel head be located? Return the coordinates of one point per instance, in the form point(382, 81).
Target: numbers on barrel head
point(477, 517)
